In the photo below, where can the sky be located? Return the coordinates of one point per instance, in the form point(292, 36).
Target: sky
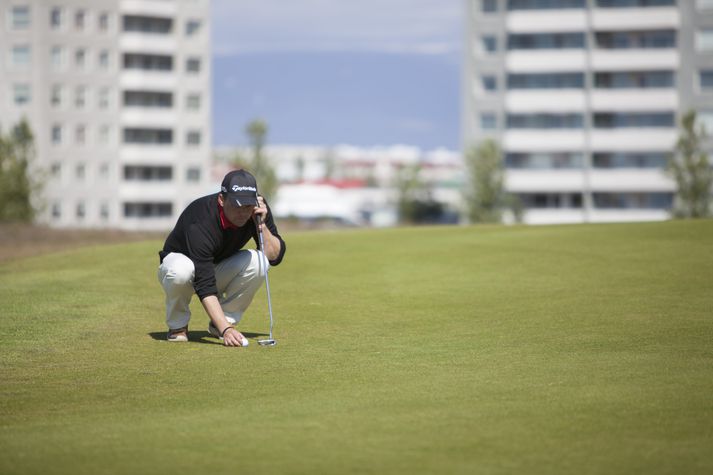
point(329, 72)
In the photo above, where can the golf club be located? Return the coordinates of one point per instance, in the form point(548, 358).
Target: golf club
point(270, 341)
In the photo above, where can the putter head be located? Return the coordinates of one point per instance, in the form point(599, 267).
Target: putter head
point(269, 342)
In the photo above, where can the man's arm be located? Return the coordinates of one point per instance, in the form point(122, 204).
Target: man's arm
point(272, 244)
point(212, 307)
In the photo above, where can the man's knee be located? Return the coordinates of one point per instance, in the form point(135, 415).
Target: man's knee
point(179, 269)
point(258, 264)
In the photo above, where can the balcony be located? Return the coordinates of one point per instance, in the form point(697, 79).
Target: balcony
point(635, 100)
point(542, 21)
point(635, 59)
point(636, 18)
point(159, 8)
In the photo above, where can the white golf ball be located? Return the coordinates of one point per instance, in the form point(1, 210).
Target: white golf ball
point(244, 342)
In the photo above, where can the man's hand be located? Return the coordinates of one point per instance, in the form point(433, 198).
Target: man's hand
point(233, 337)
point(261, 210)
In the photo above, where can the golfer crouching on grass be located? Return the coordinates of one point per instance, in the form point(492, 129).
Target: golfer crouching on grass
point(204, 254)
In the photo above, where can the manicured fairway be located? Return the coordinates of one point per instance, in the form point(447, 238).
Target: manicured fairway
point(535, 350)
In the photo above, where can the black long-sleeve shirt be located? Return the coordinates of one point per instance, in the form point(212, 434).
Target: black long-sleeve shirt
point(200, 236)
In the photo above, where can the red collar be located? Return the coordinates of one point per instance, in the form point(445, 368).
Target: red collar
point(224, 222)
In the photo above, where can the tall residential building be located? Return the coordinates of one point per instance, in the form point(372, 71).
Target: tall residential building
point(117, 93)
point(585, 97)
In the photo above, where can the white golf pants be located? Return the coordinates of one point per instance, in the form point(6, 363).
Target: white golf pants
point(238, 278)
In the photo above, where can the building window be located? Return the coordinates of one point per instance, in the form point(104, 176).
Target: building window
point(104, 132)
point(617, 120)
point(148, 136)
point(80, 172)
point(148, 62)
point(192, 27)
point(56, 210)
point(56, 95)
point(488, 6)
point(704, 39)
point(654, 200)
point(489, 43)
point(193, 174)
point(705, 119)
point(489, 83)
point(634, 79)
point(147, 173)
point(20, 17)
point(546, 81)
point(544, 121)
point(193, 138)
point(705, 79)
point(104, 211)
point(193, 102)
point(56, 170)
point(80, 94)
point(629, 160)
point(104, 60)
point(544, 4)
point(145, 24)
point(193, 65)
point(103, 100)
point(636, 39)
point(56, 55)
point(79, 19)
point(104, 171)
point(80, 58)
point(544, 160)
point(81, 210)
point(80, 134)
point(21, 55)
point(550, 200)
point(530, 41)
point(21, 94)
point(148, 210)
point(56, 134)
point(103, 22)
point(634, 3)
point(56, 18)
point(148, 99)
point(488, 121)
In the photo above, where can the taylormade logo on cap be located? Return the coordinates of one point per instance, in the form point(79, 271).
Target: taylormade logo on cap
point(241, 187)
point(244, 188)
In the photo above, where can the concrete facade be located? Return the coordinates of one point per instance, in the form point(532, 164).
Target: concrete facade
point(584, 98)
point(117, 93)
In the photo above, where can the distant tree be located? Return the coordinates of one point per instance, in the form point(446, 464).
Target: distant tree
point(257, 163)
point(485, 194)
point(330, 165)
point(300, 168)
point(690, 167)
point(415, 201)
point(16, 186)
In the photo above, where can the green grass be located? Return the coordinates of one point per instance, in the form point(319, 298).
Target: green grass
point(573, 349)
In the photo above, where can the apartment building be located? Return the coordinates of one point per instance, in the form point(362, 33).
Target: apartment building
point(117, 93)
point(585, 97)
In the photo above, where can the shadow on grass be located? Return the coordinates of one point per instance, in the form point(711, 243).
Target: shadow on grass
point(202, 336)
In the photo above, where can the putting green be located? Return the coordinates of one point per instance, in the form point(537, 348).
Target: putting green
point(560, 349)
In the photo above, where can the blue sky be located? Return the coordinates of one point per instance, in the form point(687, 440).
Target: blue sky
point(326, 72)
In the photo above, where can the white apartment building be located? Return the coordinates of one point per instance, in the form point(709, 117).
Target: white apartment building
point(117, 93)
point(584, 98)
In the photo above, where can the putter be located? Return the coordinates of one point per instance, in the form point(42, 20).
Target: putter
point(270, 341)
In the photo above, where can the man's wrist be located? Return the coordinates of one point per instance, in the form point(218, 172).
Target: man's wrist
point(222, 334)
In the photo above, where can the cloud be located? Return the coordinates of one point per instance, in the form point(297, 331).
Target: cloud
point(390, 26)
